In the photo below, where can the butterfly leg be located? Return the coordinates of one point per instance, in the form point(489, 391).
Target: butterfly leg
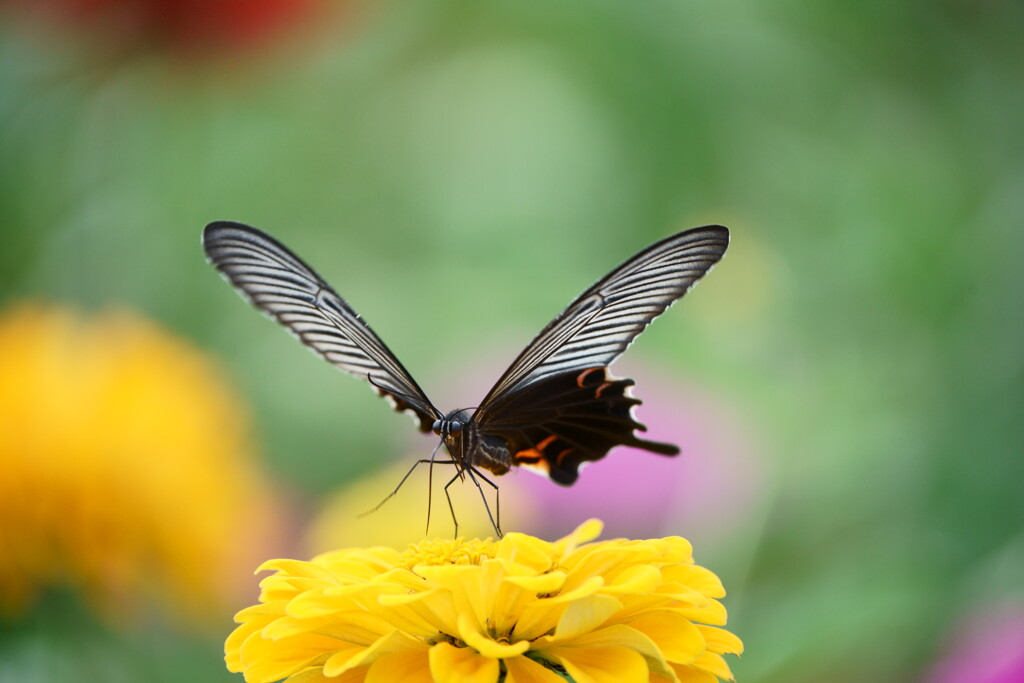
point(497, 499)
point(451, 508)
point(407, 475)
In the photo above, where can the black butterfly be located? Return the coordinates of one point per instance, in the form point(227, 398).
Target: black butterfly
point(555, 407)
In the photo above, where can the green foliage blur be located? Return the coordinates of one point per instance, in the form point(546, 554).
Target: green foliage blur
point(460, 170)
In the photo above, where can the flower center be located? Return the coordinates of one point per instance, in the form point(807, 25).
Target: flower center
point(442, 552)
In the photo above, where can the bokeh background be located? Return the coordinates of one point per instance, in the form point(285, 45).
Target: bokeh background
point(847, 385)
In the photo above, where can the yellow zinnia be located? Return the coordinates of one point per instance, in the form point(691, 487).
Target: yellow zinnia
point(519, 610)
point(125, 465)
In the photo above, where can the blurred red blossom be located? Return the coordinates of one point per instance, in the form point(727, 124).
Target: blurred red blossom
point(180, 25)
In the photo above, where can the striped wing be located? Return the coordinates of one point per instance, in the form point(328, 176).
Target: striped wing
point(604, 320)
point(280, 284)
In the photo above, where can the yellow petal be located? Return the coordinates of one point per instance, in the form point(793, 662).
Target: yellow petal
point(691, 674)
point(515, 593)
point(721, 641)
point(525, 670)
point(465, 586)
point(296, 569)
point(715, 664)
point(487, 647)
point(606, 562)
point(712, 613)
point(418, 613)
point(618, 635)
point(542, 584)
point(677, 637)
point(601, 665)
point(315, 674)
point(695, 577)
point(356, 628)
point(338, 662)
point(585, 615)
point(542, 615)
point(450, 664)
point(269, 660)
point(638, 580)
point(407, 667)
point(526, 551)
point(585, 532)
point(395, 642)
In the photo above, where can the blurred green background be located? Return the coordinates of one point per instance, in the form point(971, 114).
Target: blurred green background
point(460, 170)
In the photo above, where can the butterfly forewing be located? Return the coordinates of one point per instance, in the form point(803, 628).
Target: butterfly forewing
point(281, 285)
point(602, 322)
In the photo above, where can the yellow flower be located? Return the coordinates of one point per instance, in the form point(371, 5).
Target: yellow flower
point(520, 610)
point(125, 467)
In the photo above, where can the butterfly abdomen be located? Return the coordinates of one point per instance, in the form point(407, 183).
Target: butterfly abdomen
point(473, 448)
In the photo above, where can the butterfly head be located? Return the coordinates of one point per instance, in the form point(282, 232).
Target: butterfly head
point(452, 424)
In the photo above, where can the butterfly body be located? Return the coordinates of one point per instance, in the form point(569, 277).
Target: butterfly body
point(554, 409)
point(469, 446)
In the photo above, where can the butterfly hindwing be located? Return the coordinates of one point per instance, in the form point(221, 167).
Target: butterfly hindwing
point(559, 422)
point(281, 285)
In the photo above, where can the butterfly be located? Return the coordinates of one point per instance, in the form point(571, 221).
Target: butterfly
point(554, 409)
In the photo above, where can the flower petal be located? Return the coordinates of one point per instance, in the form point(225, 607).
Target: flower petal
point(395, 642)
point(696, 578)
point(721, 641)
point(487, 647)
point(315, 674)
point(677, 637)
point(525, 670)
point(714, 664)
point(585, 532)
point(585, 615)
point(638, 580)
point(407, 667)
point(601, 665)
point(691, 674)
point(542, 615)
point(270, 660)
point(526, 551)
point(618, 635)
point(419, 613)
point(450, 664)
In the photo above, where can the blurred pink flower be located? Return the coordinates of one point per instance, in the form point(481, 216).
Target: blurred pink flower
point(985, 647)
point(701, 493)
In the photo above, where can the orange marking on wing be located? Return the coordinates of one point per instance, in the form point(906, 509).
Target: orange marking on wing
point(560, 456)
point(601, 388)
point(582, 377)
point(544, 444)
point(541, 467)
point(529, 455)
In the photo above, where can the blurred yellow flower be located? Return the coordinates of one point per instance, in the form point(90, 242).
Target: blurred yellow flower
point(125, 468)
point(518, 610)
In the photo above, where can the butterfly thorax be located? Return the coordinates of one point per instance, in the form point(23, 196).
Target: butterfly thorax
point(469, 447)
